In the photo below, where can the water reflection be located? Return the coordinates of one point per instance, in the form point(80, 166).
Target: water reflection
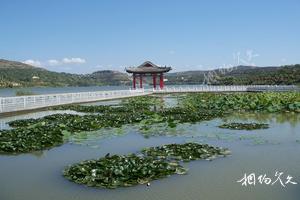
point(38, 154)
point(208, 131)
point(93, 138)
point(103, 103)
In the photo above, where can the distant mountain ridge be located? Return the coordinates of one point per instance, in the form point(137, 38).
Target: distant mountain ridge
point(17, 74)
point(240, 75)
point(5, 64)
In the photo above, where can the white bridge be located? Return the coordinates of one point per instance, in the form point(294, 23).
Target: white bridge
point(21, 103)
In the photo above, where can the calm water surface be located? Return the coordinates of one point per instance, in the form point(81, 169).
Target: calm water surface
point(38, 175)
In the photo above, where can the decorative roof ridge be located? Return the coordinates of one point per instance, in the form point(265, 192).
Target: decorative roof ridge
point(147, 64)
point(148, 67)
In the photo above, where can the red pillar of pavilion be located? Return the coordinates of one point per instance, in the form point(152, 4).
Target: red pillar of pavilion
point(141, 81)
point(154, 81)
point(161, 81)
point(133, 82)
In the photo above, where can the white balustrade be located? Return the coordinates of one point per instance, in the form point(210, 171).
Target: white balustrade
point(11, 104)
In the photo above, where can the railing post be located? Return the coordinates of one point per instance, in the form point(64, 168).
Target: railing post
point(1, 108)
point(24, 102)
point(44, 101)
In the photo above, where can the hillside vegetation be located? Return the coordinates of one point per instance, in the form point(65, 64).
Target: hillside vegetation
point(241, 75)
point(17, 74)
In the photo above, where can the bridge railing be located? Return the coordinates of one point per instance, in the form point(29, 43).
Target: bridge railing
point(226, 88)
point(204, 88)
point(11, 104)
point(257, 88)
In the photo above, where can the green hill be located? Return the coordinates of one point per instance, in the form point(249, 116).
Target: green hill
point(110, 77)
point(241, 75)
point(17, 74)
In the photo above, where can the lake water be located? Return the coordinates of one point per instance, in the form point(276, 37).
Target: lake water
point(38, 175)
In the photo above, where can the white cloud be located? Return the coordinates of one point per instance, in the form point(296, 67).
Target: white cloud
point(73, 61)
point(172, 52)
point(35, 63)
point(53, 62)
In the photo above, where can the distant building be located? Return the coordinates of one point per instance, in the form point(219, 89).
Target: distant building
point(35, 77)
point(15, 84)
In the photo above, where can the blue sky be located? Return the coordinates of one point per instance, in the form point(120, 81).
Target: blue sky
point(82, 36)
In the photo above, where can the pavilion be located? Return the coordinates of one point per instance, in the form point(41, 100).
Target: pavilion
point(148, 68)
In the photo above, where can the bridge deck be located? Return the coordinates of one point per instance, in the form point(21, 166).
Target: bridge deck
point(21, 103)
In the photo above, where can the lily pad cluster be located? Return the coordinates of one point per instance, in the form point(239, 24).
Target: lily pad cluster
point(139, 110)
point(40, 136)
point(135, 104)
point(185, 152)
point(121, 171)
point(262, 102)
point(43, 133)
point(155, 163)
point(244, 126)
point(70, 124)
point(76, 123)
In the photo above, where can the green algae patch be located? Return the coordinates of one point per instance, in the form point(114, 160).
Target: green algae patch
point(244, 126)
point(121, 171)
point(185, 152)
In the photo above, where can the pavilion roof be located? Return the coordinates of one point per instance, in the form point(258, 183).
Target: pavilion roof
point(148, 67)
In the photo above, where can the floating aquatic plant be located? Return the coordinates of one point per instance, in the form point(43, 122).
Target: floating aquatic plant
point(121, 171)
point(244, 126)
point(130, 105)
point(185, 152)
point(193, 108)
point(262, 102)
point(72, 124)
point(36, 137)
point(155, 163)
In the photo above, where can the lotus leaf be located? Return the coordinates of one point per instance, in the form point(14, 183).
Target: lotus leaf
point(185, 152)
point(244, 126)
point(120, 171)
